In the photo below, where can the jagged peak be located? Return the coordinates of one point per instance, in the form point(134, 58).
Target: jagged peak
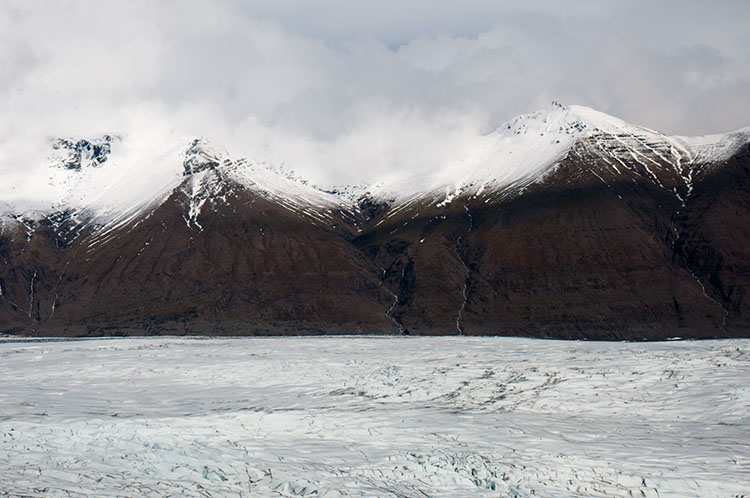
point(200, 156)
point(94, 173)
point(76, 154)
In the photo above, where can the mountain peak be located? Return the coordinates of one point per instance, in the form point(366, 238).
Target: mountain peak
point(200, 156)
point(93, 174)
point(75, 154)
point(571, 120)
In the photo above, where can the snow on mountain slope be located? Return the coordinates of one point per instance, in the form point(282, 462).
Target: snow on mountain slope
point(670, 163)
point(210, 176)
point(290, 191)
point(529, 147)
point(112, 181)
point(516, 154)
point(713, 148)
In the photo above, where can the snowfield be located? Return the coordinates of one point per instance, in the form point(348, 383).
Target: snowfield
point(366, 416)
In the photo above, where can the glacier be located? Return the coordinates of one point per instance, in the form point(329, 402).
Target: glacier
point(373, 416)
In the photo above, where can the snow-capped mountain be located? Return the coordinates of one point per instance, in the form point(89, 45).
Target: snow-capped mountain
point(529, 148)
point(106, 184)
point(525, 151)
point(564, 222)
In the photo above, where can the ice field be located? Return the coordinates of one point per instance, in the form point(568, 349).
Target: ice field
point(366, 416)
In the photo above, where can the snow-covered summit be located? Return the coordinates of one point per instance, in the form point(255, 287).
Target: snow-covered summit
point(517, 153)
point(81, 153)
point(110, 182)
point(200, 156)
point(113, 180)
point(527, 148)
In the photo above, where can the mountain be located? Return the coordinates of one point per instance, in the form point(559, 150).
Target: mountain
point(563, 223)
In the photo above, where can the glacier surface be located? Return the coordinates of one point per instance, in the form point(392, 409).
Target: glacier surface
point(367, 416)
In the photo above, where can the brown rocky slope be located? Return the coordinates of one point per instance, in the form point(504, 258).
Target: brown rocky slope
point(584, 253)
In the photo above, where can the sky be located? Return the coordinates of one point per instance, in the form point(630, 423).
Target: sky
point(344, 91)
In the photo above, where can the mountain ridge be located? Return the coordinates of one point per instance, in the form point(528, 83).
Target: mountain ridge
point(573, 124)
point(568, 223)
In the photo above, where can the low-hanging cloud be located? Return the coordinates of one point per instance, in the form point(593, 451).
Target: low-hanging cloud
point(347, 92)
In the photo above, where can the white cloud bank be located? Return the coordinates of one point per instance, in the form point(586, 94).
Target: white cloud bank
point(347, 91)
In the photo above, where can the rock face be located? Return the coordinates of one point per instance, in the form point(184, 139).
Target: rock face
point(600, 230)
point(199, 157)
point(77, 154)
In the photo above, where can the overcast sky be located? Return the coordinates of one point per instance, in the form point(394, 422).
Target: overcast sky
point(343, 90)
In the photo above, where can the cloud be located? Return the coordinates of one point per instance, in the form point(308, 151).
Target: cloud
point(349, 91)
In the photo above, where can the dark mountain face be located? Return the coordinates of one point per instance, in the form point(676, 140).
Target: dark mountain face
point(591, 250)
point(251, 266)
point(77, 154)
point(621, 259)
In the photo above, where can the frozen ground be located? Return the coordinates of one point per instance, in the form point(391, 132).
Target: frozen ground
point(375, 417)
